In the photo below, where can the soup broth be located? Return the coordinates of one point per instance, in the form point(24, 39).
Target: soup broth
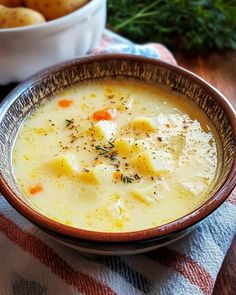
point(116, 156)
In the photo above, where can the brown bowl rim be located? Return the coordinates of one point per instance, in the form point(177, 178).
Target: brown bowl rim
point(167, 229)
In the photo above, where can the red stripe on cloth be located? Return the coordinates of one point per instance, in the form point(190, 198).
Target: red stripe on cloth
point(104, 43)
point(186, 266)
point(83, 282)
point(164, 53)
point(232, 198)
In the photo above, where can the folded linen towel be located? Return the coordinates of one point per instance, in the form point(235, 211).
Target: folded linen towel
point(33, 264)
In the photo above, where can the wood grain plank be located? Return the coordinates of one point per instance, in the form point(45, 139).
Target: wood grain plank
point(217, 69)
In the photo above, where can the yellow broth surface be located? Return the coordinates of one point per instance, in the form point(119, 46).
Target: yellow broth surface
point(116, 156)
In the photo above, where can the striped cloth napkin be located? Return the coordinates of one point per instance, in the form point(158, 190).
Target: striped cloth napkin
point(33, 264)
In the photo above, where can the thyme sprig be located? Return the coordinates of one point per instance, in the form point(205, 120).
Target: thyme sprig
point(111, 144)
point(107, 150)
point(126, 179)
point(69, 122)
point(103, 150)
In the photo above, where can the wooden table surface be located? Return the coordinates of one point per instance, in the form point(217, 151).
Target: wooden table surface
point(220, 71)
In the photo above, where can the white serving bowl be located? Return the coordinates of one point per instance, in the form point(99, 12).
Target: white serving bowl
point(27, 50)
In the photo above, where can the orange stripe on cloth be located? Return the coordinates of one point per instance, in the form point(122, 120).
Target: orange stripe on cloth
point(186, 266)
point(83, 282)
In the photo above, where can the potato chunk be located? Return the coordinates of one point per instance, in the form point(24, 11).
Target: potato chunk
point(123, 146)
point(117, 213)
point(145, 124)
point(19, 17)
point(12, 3)
point(54, 9)
point(146, 164)
point(105, 129)
point(104, 173)
point(96, 175)
point(145, 194)
point(140, 146)
point(128, 146)
point(88, 176)
point(177, 143)
point(63, 165)
point(126, 104)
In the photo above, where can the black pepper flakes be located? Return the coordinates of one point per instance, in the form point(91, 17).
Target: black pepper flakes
point(137, 177)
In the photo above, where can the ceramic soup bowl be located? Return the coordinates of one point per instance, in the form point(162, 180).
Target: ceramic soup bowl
point(28, 96)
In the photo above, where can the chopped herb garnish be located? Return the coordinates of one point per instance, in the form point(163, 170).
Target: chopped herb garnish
point(69, 122)
point(126, 179)
point(113, 156)
point(104, 150)
point(111, 144)
point(107, 151)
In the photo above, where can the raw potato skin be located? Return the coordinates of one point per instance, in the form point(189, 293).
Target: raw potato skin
point(52, 9)
point(12, 3)
point(19, 17)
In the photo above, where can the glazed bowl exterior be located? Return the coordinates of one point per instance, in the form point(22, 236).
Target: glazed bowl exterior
point(31, 93)
point(27, 50)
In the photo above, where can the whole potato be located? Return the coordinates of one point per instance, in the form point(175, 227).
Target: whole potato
point(12, 3)
point(19, 17)
point(52, 9)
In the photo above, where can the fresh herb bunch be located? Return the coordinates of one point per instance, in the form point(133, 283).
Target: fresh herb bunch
point(200, 25)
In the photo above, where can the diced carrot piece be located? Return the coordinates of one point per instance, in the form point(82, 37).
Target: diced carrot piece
point(35, 189)
point(105, 114)
point(117, 175)
point(65, 103)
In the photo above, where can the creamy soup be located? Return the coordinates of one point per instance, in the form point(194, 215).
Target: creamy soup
point(116, 156)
